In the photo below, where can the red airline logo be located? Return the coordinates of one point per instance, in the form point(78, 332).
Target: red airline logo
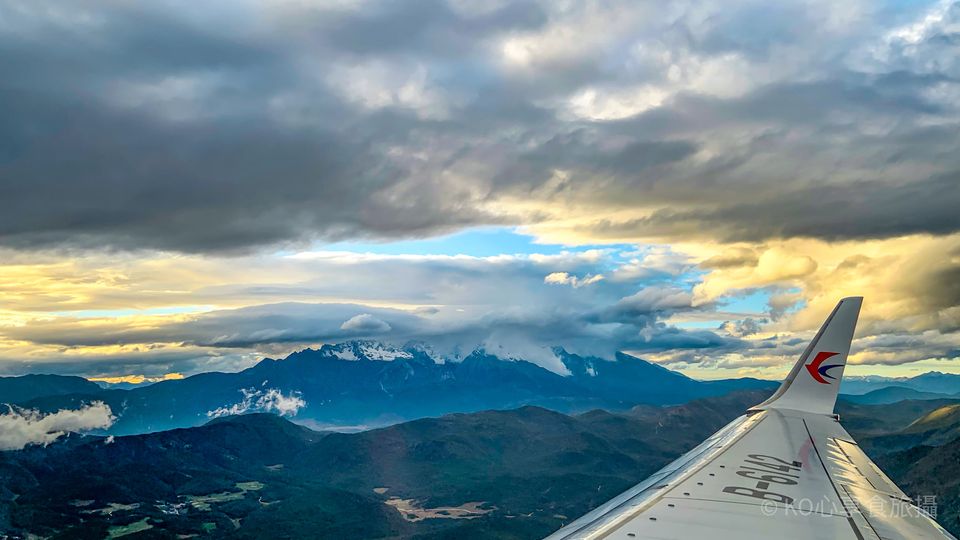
point(817, 371)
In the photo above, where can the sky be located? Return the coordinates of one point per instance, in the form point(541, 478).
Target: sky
point(187, 187)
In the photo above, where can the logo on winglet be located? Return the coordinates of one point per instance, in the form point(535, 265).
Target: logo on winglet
point(817, 371)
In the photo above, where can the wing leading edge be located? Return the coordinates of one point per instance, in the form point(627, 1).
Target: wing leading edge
point(786, 469)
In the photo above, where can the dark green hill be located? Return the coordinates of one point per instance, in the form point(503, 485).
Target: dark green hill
point(529, 467)
point(515, 474)
point(900, 426)
point(946, 417)
point(930, 471)
point(864, 421)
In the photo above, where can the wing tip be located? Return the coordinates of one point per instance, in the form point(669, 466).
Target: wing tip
point(820, 395)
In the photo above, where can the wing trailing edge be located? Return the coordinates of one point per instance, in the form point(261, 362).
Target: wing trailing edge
point(814, 382)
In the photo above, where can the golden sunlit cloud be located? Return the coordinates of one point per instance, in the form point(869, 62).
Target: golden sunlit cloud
point(133, 308)
point(138, 379)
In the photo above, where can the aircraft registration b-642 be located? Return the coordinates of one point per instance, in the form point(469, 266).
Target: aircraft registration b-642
point(786, 470)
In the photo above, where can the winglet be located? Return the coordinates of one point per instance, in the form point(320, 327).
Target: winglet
point(813, 383)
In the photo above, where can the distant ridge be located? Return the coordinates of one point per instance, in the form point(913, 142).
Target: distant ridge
point(892, 394)
point(932, 381)
point(367, 383)
point(27, 387)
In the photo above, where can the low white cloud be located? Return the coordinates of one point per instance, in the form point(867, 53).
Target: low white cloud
point(511, 346)
point(269, 400)
point(20, 428)
point(365, 323)
point(563, 278)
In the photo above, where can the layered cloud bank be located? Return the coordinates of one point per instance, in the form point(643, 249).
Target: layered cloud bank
point(687, 309)
point(718, 174)
point(248, 124)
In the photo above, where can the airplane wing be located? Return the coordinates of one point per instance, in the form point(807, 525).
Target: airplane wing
point(786, 470)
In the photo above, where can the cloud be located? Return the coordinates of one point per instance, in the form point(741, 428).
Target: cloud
point(268, 400)
point(22, 427)
point(471, 302)
point(365, 323)
point(167, 211)
point(656, 300)
point(515, 346)
point(563, 278)
point(716, 121)
point(741, 328)
point(855, 211)
point(775, 265)
point(137, 379)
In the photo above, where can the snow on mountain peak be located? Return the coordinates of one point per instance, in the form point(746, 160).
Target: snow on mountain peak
point(379, 351)
point(345, 354)
point(353, 351)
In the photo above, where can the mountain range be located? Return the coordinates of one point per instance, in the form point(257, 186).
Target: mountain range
point(258, 475)
point(934, 382)
point(893, 394)
point(513, 474)
point(29, 387)
point(360, 384)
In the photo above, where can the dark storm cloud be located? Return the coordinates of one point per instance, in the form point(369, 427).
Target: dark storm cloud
point(857, 210)
point(579, 152)
point(428, 27)
point(149, 131)
point(210, 128)
point(791, 104)
point(127, 180)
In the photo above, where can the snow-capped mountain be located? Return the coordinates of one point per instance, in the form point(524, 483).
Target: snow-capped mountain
point(932, 381)
point(371, 383)
point(365, 350)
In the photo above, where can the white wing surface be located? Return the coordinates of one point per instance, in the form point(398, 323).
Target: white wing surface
point(785, 470)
